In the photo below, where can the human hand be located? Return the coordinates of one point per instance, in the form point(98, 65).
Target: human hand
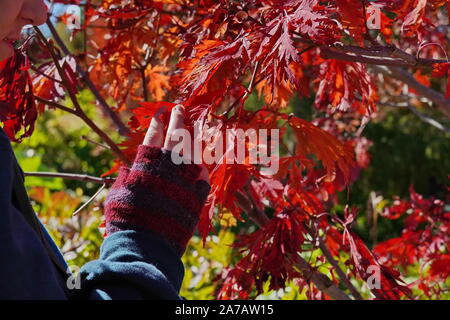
point(155, 134)
point(155, 194)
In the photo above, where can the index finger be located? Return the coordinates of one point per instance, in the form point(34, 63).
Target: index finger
point(176, 122)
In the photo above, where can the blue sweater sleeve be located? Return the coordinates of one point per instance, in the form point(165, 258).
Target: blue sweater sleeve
point(133, 265)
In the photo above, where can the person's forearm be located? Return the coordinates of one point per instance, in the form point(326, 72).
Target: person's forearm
point(132, 265)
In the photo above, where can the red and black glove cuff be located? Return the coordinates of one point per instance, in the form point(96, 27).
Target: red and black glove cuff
point(157, 195)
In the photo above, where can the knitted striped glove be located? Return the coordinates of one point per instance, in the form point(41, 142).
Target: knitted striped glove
point(157, 195)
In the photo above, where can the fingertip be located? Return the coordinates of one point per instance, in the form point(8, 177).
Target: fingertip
point(176, 122)
point(180, 108)
point(154, 135)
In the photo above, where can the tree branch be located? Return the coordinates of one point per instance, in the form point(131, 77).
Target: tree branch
point(394, 58)
point(71, 176)
point(326, 252)
point(144, 83)
point(379, 55)
point(78, 110)
point(339, 271)
point(434, 96)
point(428, 119)
point(425, 118)
point(35, 69)
point(248, 206)
point(56, 105)
point(327, 53)
point(123, 130)
point(321, 281)
point(114, 148)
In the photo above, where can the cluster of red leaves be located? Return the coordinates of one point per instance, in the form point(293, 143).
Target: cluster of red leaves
point(386, 284)
point(271, 254)
point(424, 240)
point(339, 85)
point(17, 107)
point(414, 16)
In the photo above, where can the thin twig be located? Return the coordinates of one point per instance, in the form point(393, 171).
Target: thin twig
point(421, 115)
point(250, 85)
point(428, 119)
point(248, 206)
point(434, 96)
point(89, 201)
point(114, 148)
point(246, 92)
point(144, 83)
point(56, 105)
point(321, 281)
point(71, 176)
point(62, 74)
point(364, 12)
point(96, 143)
point(35, 69)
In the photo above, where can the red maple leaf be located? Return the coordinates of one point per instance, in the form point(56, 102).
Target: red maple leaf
point(341, 82)
point(18, 111)
point(272, 251)
point(440, 268)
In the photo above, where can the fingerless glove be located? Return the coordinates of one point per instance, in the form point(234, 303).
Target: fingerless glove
point(158, 196)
